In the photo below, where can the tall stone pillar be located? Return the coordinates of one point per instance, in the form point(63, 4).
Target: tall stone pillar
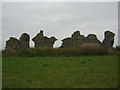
point(108, 39)
point(24, 40)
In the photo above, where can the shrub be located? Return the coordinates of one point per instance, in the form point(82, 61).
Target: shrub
point(46, 52)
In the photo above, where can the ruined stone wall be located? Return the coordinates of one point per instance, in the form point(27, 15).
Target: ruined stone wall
point(108, 39)
point(78, 41)
point(24, 40)
point(13, 43)
point(75, 41)
point(42, 41)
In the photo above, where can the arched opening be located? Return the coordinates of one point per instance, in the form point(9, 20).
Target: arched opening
point(57, 44)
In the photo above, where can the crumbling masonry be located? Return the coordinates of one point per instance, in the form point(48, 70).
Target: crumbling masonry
point(78, 41)
point(13, 43)
point(42, 41)
point(75, 41)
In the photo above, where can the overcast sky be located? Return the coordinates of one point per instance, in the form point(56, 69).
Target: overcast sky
point(59, 19)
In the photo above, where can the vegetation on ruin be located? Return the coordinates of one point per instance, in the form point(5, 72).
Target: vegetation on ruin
point(53, 52)
point(60, 72)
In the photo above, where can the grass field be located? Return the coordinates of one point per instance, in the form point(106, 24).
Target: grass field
point(60, 72)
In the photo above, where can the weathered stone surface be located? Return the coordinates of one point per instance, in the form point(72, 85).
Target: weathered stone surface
point(42, 41)
point(12, 44)
point(76, 35)
point(67, 43)
point(24, 40)
point(109, 39)
point(78, 41)
point(91, 41)
point(75, 41)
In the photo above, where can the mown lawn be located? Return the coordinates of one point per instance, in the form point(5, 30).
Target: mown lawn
point(60, 72)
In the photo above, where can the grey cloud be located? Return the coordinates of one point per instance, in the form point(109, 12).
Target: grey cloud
point(58, 19)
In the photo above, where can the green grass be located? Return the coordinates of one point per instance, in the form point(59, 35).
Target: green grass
point(60, 72)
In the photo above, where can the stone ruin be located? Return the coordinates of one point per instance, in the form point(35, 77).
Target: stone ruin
point(108, 39)
point(79, 41)
point(75, 41)
point(13, 43)
point(24, 40)
point(42, 41)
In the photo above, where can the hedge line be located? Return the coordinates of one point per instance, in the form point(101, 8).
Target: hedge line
point(43, 52)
